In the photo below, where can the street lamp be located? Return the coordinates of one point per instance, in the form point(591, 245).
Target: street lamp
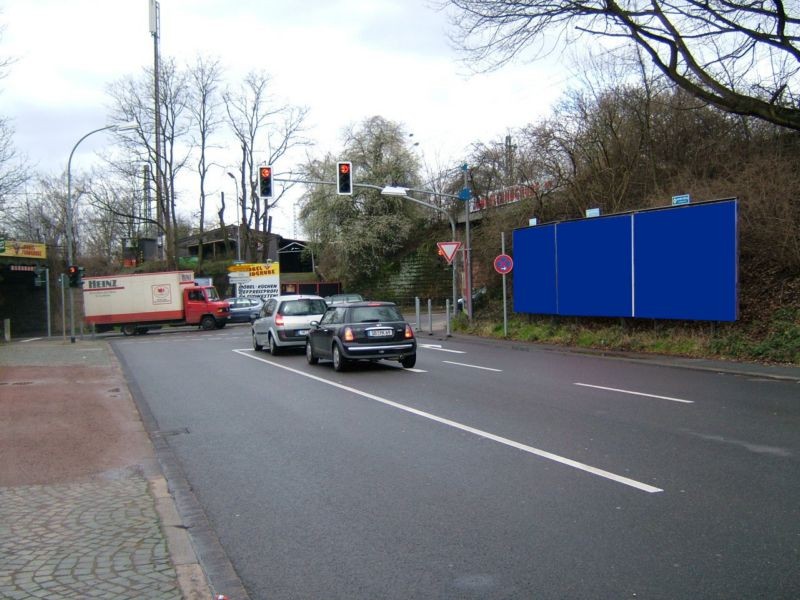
point(70, 257)
point(402, 192)
point(238, 221)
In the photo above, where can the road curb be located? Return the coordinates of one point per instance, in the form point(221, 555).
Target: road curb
point(186, 523)
point(191, 578)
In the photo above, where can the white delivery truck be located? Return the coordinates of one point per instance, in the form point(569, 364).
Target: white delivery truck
point(140, 301)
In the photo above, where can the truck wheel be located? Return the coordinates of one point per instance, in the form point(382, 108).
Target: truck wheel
point(339, 361)
point(273, 347)
point(128, 329)
point(256, 346)
point(208, 323)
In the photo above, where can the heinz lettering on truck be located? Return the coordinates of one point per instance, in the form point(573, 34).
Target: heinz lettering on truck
point(138, 302)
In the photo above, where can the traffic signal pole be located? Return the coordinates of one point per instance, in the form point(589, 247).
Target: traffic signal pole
point(401, 192)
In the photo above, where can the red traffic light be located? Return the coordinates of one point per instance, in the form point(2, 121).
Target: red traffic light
point(75, 276)
point(344, 178)
point(265, 181)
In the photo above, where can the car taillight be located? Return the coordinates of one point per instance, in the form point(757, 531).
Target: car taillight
point(279, 320)
point(409, 334)
point(348, 335)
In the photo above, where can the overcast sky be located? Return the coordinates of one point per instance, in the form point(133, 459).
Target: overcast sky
point(346, 60)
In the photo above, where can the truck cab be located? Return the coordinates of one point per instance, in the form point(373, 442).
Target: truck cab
point(203, 306)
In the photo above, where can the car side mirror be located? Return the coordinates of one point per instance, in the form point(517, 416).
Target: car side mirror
point(314, 324)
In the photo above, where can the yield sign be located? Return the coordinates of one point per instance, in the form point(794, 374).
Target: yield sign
point(448, 250)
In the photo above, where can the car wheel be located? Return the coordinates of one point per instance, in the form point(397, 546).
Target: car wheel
point(273, 347)
point(128, 329)
point(256, 346)
point(310, 356)
point(409, 361)
point(208, 323)
point(339, 361)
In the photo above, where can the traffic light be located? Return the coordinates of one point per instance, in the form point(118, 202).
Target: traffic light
point(75, 275)
point(265, 181)
point(344, 178)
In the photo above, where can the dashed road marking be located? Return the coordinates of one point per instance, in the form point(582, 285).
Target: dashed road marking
point(450, 362)
point(484, 434)
point(610, 389)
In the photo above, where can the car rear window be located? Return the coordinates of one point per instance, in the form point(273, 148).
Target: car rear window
point(303, 308)
point(366, 314)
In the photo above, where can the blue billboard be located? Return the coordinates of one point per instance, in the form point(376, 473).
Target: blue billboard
point(673, 263)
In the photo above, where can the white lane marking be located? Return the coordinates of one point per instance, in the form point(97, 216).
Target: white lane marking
point(31, 340)
point(450, 362)
point(484, 434)
point(440, 349)
point(610, 389)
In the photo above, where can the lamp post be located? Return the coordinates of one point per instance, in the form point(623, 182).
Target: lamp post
point(238, 221)
point(69, 217)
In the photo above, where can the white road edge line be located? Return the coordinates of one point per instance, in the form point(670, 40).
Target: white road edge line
point(450, 362)
point(610, 389)
point(484, 434)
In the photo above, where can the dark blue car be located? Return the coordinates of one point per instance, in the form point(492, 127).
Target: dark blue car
point(244, 310)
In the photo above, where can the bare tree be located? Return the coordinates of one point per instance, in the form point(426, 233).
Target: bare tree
point(205, 99)
point(37, 214)
point(743, 57)
point(13, 170)
point(115, 212)
point(255, 118)
point(131, 100)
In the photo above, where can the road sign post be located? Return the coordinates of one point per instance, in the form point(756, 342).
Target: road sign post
point(503, 264)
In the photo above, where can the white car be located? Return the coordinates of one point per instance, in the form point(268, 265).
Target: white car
point(284, 322)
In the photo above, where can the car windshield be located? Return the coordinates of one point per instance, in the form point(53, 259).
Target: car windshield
point(212, 293)
point(302, 308)
point(367, 314)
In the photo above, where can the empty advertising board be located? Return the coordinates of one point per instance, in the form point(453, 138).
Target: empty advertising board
point(671, 263)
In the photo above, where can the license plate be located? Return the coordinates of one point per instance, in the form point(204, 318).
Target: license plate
point(380, 332)
point(302, 332)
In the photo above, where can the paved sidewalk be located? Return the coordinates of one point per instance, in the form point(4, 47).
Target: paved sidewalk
point(84, 509)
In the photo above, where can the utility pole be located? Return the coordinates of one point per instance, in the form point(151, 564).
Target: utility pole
point(155, 26)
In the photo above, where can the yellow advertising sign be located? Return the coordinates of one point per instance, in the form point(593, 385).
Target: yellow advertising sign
point(256, 269)
point(15, 249)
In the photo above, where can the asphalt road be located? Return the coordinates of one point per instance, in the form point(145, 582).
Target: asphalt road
point(485, 472)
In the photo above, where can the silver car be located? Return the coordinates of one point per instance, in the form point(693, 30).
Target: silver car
point(284, 322)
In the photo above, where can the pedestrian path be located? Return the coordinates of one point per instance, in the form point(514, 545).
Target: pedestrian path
point(84, 508)
point(93, 539)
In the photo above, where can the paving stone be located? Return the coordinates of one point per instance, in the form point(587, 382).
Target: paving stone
point(96, 539)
